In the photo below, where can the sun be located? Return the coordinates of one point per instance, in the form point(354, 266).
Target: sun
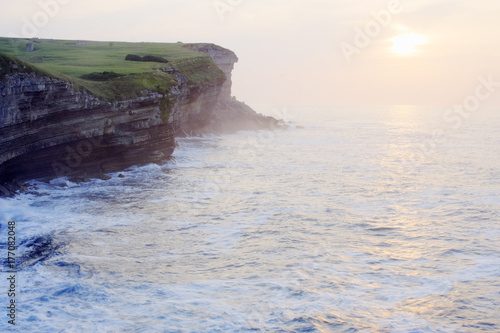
point(406, 43)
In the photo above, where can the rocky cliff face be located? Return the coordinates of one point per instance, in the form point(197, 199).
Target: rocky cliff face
point(48, 129)
point(192, 104)
point(229, 115)
point(223, 58)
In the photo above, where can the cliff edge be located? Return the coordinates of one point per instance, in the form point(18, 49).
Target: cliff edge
point(229, 114)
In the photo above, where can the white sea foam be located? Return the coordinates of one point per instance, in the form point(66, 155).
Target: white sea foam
point(315, 229)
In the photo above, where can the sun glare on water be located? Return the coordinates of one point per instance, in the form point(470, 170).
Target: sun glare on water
point(406, 43)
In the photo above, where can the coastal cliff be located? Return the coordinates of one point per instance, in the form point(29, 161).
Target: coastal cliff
point(51, 128)
point(229, 114)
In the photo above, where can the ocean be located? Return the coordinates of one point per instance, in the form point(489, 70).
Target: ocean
point(354, 219)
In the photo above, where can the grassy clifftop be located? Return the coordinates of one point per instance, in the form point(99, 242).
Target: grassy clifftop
point(101, 68)
point(11, 65)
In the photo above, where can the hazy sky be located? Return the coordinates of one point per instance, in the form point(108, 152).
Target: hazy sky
point(302, 51)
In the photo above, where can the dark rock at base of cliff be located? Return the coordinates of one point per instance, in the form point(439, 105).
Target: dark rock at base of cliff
point(80, 179)
point(38, 249)
point(111, 153)
point(232, 116)
point(9, 190)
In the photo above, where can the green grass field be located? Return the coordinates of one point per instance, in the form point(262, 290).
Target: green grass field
point(67, 60)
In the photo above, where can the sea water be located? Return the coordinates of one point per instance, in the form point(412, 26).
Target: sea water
point(352, 220)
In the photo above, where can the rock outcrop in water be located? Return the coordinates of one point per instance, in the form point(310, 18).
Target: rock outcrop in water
point(49, 129)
